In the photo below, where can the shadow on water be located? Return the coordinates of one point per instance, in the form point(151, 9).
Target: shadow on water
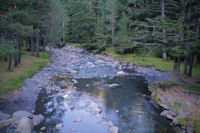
point(124, 105)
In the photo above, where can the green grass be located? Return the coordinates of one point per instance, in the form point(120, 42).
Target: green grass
point(45, 56)
point(183, 121)
point(14, 79)
point(192, 88)
point(150, 60)
point(158, 63)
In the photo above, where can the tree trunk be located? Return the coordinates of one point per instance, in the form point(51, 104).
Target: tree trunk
point(44, 45)
point(5, 59)
point(177, 63)
point(98, 16)
point(90, 5)
point(185, 65)
point(37, 46)
point(63, 24)
point(164, 55)
point(163, 31)
point(19, 51)
point(195, 61)
point(190, 65)
point(113, 31)
point(32, 47)
point(16, 56)
point(16, 61)
point(9, 62)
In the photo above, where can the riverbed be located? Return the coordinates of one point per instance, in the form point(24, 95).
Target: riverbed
point(82, 92)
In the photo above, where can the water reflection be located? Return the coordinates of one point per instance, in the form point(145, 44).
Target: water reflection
point(125, 106)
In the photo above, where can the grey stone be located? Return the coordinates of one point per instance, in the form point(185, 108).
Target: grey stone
point(109, 123)
point(112, 85)
point(37, 119)
point(164, 106)
point(59, 126)
point(114, 129)
point(175, 121)
point(42, 128)
point(172, 113)
point(4, 115)
point(121, 73)
point(77, 120)
point(6, 122)
point(24, 125)
point(164, 113)
point(20, 114)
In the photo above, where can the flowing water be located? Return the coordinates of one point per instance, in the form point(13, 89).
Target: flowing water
point(81, 92)
point(125, 105)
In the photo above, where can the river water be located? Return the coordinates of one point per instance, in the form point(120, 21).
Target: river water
point(92, 98)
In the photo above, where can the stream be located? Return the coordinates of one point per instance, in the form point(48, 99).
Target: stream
point(82, 92)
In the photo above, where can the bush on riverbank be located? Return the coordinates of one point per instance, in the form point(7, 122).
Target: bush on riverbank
point(13, 79)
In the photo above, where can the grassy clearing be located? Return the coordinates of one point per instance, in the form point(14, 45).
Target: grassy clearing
point(12, 80)
point(158, 63)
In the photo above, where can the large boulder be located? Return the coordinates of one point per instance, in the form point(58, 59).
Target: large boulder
point(20, 114)
point(37, 119)
point(24, 125)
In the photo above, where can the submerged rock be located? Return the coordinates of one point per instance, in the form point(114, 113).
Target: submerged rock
point(24, 125)
point(77, 120)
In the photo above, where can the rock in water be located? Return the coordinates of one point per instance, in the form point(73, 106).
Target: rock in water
point(59, 126)
point(114, 129)
point(43, 128)
point(112, 85)
point(77, 120)
point(37, 119)
point(24, 125)
point(121, 73)
point(6, 122)
point(4, 116)
point(20, 114)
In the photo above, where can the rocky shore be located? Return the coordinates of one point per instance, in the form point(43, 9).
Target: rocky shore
point(180, 106)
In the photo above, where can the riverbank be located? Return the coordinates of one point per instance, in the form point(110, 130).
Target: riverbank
point(179, 105)
point(13, 80)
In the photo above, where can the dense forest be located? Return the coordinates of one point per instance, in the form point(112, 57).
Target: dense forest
point(168, 27)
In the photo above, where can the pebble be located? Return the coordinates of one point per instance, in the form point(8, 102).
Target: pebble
point(59, 126)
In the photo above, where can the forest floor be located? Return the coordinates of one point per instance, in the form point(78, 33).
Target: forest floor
point(13, 79)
